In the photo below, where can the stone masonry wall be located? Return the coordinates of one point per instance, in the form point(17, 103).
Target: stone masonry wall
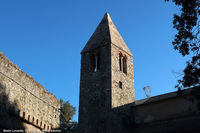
point(126, 94)
point(168, 106)
point(168, 113)
point(94, 92)
point(36, 105)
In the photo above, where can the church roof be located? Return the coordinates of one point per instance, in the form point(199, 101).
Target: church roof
point(106, 33)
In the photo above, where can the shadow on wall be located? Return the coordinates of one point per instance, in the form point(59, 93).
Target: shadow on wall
point(66, 126)
point(9, 114)
point(175, 112)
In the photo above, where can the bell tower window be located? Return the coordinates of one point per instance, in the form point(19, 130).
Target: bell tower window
point(95, 62)
point(120, 61)
point(125, 64)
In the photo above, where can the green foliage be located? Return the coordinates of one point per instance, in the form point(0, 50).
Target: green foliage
point(67, 113)
point(187, 40)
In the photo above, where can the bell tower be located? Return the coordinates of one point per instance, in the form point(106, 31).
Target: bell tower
point(106, 77)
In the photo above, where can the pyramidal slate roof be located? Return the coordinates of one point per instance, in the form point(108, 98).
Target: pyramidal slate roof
point(106, 33)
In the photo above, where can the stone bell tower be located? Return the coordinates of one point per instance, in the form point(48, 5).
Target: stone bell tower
point(106, 77)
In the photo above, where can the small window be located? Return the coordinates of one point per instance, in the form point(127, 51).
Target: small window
point(24, 114)
point(28, 117)
point(37, 121)
point(40, 124)
point(44, 126)
point(55, 116)
point(120, 84)
point(95, 62)
point(47, 127)
point(33, 119)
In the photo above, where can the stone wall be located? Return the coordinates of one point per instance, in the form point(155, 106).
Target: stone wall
point(170, 105)
point(126, 94)
point(168, 113)
point(176, 112)
point(94, 92)
point(171, 112)
point(36, 106)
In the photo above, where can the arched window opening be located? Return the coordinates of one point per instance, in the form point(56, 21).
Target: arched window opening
point(40, 124)
point(95, 62)
point(37, 121)
point(120, 61)
point(125, 64)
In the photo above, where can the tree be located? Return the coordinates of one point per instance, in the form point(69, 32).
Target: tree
point(67, 113)
point(187, 40)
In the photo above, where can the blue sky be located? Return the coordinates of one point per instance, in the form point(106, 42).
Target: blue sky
point(45, 38)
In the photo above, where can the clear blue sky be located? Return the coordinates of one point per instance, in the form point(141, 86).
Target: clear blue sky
point(45, 37)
